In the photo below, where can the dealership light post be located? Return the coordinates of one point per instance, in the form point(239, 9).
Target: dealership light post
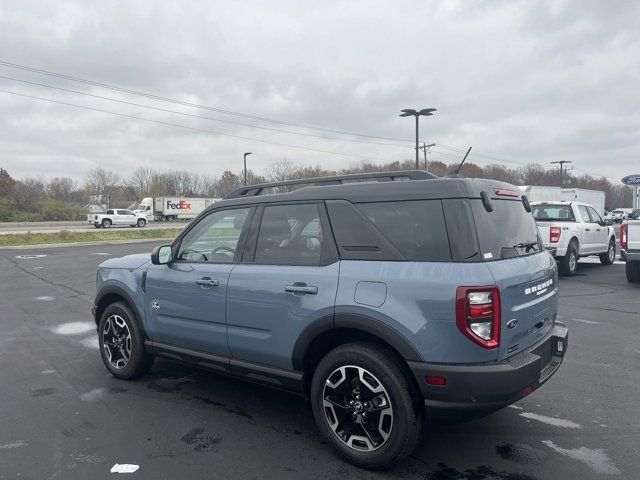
point(245, 167)
point(409, 112)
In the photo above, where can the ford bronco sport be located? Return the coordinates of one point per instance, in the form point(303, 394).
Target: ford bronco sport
point(381, 300)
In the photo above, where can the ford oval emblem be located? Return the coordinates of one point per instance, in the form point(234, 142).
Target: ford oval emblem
point(513, 323)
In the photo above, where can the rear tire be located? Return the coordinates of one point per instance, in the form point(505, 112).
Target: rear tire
point(633, 272)
point(96, 225)
point(358, 386)
point(568, 264)
point(609, 256)
point(122, 343)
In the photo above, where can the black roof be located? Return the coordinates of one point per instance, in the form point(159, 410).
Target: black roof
point(430, 187)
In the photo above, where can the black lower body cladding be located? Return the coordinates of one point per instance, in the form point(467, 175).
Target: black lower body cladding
point(476, 390)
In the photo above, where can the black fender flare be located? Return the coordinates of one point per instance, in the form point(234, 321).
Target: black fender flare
point(353, 321)
point(114, 289)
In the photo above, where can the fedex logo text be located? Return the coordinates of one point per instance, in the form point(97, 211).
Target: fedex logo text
point(181, 205)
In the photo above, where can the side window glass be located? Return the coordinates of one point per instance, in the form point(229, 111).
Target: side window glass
point(290, 235)
point(215, 237)
point(109, 212)
point(595, 216)
point(584, 213)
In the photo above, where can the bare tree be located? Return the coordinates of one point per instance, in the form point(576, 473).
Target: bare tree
point(101, 181)
point(227, 183)
point(61, 188)
point(6, 183)
point(28, 194)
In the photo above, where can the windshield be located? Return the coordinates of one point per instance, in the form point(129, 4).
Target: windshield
point(508, 231)
point(547, 213)
point(141, 207)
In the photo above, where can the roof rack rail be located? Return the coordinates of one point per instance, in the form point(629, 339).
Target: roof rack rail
point(254, 190)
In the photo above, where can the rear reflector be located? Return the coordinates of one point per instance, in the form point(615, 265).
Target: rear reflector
point(554, 234)
point(527, 390)
point(503, 192)
point(624, 231)
point(435, 380)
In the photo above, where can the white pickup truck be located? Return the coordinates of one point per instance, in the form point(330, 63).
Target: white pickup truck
point(571, 230)
point(630, 246)
point(117, 218)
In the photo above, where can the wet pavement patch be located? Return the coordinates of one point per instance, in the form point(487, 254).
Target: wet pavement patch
point(482, 472)
point(30, 256)
point(199, 441)
point(168, 384)
point(235, 410)
point(595, 458)
point(520, 453)
point(556, 422)
point(74, 328)
point(43, 392)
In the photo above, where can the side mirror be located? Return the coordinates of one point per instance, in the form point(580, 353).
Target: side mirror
point(161, 255)
point(608, 222)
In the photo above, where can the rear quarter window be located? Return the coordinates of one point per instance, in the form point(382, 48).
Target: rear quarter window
point(550, 213)
point(416, 228)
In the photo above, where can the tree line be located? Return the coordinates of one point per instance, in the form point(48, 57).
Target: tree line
point(63, 198)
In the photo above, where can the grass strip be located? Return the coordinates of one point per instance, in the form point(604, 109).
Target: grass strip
point(65, 236)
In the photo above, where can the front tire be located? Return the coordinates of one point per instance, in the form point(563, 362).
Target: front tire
point(106, 223)
point(122, 343)
point(568, 264)
point(633, 272)
point(141, 223)
point(609, 256)
point(364, 405)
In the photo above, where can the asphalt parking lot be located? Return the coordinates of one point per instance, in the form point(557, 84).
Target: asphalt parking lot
point(62, 416)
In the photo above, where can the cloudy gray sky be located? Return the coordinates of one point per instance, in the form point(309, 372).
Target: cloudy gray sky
point(520, 81)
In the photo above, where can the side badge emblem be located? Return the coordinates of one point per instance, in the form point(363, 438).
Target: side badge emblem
point(155, 305)
point(513, 323)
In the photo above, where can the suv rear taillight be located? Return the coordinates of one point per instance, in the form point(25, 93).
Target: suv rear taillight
point(478, 314)
point(624, 231)
point(96, 217)
point(554, 234)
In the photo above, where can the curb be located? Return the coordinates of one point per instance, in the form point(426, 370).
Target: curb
point(79, 244)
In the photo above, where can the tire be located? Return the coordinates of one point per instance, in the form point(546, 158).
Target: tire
point(171, 218)
point(106, 223)
point(96, 225)
point(609, 256)
point(568, 264)
point(118, 319)
point(141, 223)
point(633, 272)
point(395, 429)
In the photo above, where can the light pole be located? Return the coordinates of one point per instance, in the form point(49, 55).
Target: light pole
point(409, 112)
point(562, 162)
point(245, 167)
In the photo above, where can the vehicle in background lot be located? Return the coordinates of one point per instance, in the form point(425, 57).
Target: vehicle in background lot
point(595, 198)
point(439, 305)
point(619, 214)
point(630, 246)
point(116, 218)
point(571, 230)
point(172, 208)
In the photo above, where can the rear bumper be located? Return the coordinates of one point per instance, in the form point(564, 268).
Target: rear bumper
point(489, 387)
point(630, 256)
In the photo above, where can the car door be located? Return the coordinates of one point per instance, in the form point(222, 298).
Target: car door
point(287, 280)
point(185, 299)
point(601, 235)
point(588, 243)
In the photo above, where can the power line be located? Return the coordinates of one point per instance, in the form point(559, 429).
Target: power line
point(198, 116)
point(189, 104)
point(203, 130)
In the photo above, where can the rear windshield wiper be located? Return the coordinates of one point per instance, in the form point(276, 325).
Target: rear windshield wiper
point(527, 245)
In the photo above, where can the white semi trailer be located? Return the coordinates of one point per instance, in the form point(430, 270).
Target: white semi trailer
point(172, 208)
point(536, 193)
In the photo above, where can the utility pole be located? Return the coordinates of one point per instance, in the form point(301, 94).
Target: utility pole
point(245, 167)
point(424, 148)
point(562, 162)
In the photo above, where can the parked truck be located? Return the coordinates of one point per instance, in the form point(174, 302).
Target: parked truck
point(630, 246)
point(172, 208)
point(537, 193)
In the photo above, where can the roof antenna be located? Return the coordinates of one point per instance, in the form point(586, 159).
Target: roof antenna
point(455, 174)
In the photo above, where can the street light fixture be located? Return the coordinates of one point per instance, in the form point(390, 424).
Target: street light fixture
point(245, 167)
point(409, 112)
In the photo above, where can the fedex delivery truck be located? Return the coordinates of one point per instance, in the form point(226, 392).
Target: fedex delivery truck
point(172, 208)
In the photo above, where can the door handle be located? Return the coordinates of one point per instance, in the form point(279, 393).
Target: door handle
point(303, 288)
point(207, 282)
point(587, 229)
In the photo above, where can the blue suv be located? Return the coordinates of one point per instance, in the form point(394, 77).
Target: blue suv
point(381, 300)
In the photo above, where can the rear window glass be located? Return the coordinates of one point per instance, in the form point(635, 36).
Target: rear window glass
point(416, 228)
point(543, 213)
point(508, 231)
